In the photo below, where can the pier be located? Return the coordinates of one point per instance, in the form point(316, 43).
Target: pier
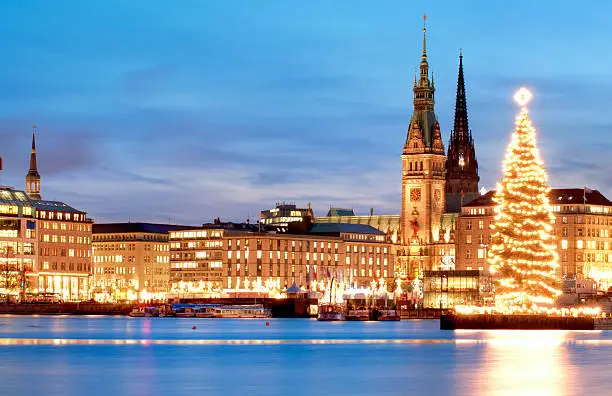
point(453, 321)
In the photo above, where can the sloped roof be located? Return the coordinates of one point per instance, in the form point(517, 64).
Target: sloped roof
point(564, 196)
point(340, 212)
point(294, 288)
point(152, 228)
point(336, 228)
point(54, 205)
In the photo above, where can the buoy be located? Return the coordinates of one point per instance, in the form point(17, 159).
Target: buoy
point(193, 328)
point(267, 323)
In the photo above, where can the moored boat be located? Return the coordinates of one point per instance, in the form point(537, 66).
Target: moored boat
point(185, 312)
point(387, 315)
point(331, 312)
point(139, 312)
point(358, 314)
point(206, 311)
point(241, 311)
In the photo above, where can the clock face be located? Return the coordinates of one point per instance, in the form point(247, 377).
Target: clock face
point(415, 194)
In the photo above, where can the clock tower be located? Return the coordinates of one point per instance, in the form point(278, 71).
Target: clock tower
point(423, 165)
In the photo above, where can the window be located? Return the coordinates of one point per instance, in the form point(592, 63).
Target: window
point(579, 244)
point(564, 244)
point(468, 239)
point(480, 253)
point(468, 225)
point(481, 224)
point(468, 254)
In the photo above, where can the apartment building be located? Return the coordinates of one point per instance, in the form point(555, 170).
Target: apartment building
point(131, 261)
point(583, 229)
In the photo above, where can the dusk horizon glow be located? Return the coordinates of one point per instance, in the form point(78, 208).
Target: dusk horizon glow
point(152, 112)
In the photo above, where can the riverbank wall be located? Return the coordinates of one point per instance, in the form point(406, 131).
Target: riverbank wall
point(66, 309)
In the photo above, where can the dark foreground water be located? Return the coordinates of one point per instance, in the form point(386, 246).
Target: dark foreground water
point(94, 356)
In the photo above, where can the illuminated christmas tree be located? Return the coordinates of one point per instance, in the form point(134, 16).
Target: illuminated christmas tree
point(522, 252)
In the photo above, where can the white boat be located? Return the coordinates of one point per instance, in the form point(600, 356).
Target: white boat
point(206, 311)
point(331, 312)
point(186, 312)
point(139, 312)
point(242, 311)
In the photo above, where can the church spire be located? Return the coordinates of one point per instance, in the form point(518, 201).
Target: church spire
point(460, 127)
point(33, 177)
point(461, 164)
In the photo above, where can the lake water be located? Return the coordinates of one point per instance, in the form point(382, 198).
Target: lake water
point(292, 357)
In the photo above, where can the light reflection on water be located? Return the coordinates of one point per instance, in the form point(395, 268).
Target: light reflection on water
point(115, 355)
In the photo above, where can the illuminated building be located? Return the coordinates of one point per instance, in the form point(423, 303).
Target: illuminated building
point(238, 256)
point(285, 215)
point(64, 247)
point(582, 233)
point(423, 166)
point(131, 261)
point(446, 289)
point(389, 224)
point(433, 185)
point(18, 242)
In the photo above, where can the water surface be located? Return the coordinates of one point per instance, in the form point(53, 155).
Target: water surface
point(93, 356)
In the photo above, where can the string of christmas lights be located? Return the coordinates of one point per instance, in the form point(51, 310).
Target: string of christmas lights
point(522, 252)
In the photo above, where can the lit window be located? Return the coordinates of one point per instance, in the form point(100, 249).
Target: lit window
point(564, 244)
point(579, 244)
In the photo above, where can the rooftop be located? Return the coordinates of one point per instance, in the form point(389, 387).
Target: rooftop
point(340, 212)
point(11, 196)
point(123, 228)
point(336, 228)
point(564, 196)
point(55, 205)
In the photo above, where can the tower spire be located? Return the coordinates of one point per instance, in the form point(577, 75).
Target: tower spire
point(461, 164)
point(33, 177)
point(460, 127)
point(424, 56)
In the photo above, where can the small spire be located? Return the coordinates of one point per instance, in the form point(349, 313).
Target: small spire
point(424, 36)
point(34, 138)
point(432, 79)
point(415, 79)
point(33, 177)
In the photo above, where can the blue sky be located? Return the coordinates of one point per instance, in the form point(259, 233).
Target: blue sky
point(184, 111)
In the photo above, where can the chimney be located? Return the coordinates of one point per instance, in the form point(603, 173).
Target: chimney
point(371, 211)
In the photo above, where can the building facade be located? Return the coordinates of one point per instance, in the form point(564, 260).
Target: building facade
point(582, 230)
point(64, 250)
point(423, 165)
point(434, 186)
point(131, 261)
point(18, 243)
point(230, 256)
